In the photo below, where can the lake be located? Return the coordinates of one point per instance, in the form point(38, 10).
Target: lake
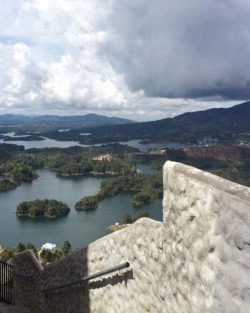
point(79, 227)
point(51, 143)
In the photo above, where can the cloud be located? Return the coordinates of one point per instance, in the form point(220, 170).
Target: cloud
point(141, 59)
point(182, 49)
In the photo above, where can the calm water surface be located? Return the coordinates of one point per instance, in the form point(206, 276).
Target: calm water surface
point(80, 228)
point(51, 143)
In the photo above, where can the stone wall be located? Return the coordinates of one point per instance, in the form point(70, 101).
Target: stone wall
point(27, 289)
point(207, 222)
point(196, 260)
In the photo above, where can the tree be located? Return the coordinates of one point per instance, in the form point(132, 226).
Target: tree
point(46, 255)
point(127, 218)
point(30, 246)
point(20, 247)
point(141, 198)
point(139, 214)
point(66, 247)
point(90, 202)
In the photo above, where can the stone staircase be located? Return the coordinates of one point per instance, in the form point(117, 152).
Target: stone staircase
point(9, 308)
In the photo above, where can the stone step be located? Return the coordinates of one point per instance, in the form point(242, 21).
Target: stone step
point(9, 308)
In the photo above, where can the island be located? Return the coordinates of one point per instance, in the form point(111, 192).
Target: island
point(23, 138)
point(146, 186)
point(90, 202)
point(6, 184)
point(42, 208)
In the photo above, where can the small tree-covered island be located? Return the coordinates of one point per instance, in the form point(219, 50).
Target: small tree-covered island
point(42, 208)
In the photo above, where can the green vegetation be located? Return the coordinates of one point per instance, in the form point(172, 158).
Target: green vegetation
point(6, 253)
point(141, 198)
point(45, 256)
point(20, 165)
point(64, 164)
point(90, 202)
point(229, 162)
point(6, 184)
point(129, 219)
point(22, 173)
point(66, 249)
point(147, 184)
point(8, 150)
point(39, 208)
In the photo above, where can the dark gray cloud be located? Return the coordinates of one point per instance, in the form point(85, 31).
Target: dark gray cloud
point(182, 49)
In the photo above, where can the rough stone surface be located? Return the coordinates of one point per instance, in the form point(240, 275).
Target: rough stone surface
point(27, 290)
point(196, 261)
point(207, 222)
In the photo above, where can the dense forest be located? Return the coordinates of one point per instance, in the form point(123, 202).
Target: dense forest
point(229, 162)
point(20, 165)
point(6, 184)
point(42, 208)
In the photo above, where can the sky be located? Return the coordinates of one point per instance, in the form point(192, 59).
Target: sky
point(137, 59)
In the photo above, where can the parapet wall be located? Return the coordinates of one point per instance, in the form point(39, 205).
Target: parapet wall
point(196, 261)
point(207, 222)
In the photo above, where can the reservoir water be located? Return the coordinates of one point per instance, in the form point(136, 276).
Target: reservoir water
point(79, 227)
point(51, 143)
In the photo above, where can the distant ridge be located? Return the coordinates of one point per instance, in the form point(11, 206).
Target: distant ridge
point(191, 125)
point(76, 120)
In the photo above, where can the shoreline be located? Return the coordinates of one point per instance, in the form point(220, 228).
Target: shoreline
point(117, 227)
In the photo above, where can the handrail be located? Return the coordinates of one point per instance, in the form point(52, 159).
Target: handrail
point(6, 282)
point(10, 265)
point(16, 273)
point(92, 276)
point(22, 275)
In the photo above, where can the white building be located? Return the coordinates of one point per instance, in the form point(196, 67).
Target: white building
point(49, 246)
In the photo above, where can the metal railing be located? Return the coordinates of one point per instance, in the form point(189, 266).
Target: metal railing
point(6, 282)
point(22, 275)
point(92, 276)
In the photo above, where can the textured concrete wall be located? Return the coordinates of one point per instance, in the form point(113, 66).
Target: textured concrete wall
point(197, 260)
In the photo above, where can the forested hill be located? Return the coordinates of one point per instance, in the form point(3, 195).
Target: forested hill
point(55, 120)
point(186, 126)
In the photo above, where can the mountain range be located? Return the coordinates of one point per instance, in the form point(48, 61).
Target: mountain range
point(221, 122)
point(66, 121)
